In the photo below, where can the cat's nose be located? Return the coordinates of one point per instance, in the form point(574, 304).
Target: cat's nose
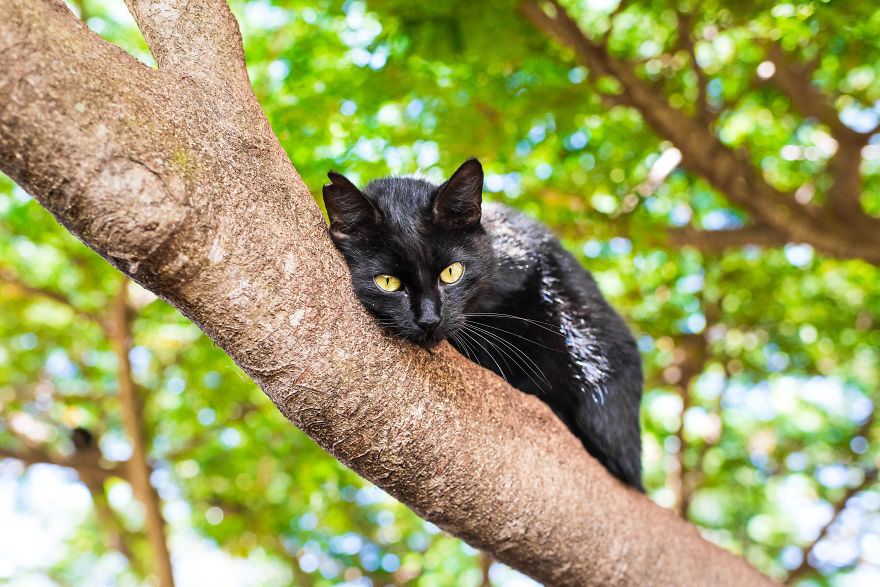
point(428, 322)
point(428, 318)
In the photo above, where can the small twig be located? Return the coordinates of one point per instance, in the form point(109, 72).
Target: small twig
point(805, 566)
point(685, 39)
point(83, 11)
point(31, 290)
point(621, 6)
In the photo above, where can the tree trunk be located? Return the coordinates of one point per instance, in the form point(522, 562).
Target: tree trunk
point(175, 177)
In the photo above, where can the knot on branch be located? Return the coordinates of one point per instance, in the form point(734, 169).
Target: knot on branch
point(153, 208)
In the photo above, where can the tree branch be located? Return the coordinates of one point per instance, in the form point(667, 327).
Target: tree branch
point(703, 153)
point(485, 564)
point(113, 531)
point(685, 39)
point(794, 79)
point(805, 566)
point(139, 467)
point(720, 240)
point(621, 6)
point(87, 464)
point(83, 465)
point(193, 197)
point(694, 361)
point(198, 38)
point(81, 8)
point(870, 476)
point(844, 195)
point(30, 290)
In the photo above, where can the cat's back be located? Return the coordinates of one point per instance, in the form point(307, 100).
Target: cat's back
point(524, 249)
point(519, 241)
point(530, 257)
point(515, 237)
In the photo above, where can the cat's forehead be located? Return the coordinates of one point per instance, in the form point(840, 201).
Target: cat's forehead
point(400, 195)
point(404, 202)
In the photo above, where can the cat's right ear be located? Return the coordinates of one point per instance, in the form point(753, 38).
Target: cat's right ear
point(457, 203)
point(350, 212)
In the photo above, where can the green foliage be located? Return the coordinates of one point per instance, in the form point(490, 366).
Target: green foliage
point(767, 436)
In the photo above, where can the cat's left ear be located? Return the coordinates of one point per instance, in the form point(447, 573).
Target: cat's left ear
point(457, 203)
point(350, 212)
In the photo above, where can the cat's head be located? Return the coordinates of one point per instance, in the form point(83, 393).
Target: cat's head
point(419, 258)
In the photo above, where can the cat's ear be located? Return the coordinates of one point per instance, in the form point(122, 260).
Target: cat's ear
point(350, 212)
point(457, 203)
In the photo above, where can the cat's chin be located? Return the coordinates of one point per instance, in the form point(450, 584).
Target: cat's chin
point(427, 342)
point(430, 343)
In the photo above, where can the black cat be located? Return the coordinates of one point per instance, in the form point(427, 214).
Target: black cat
point(434, 263)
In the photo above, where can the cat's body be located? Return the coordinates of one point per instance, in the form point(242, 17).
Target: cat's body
point(521, 305)
point(575, 352)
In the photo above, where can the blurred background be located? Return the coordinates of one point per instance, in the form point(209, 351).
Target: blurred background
point(762, 356)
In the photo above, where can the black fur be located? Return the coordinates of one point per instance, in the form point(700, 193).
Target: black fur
point(524, 307)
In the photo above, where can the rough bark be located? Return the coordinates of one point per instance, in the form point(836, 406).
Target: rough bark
point(176, 178)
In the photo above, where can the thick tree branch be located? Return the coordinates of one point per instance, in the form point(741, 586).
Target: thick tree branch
point(139, 467)
point(703, 153)
point(198, 39)
point(193, 197)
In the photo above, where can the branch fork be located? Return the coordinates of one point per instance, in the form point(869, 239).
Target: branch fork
point(175, 177)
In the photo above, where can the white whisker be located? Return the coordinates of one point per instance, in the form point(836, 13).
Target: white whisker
point(511, 333)
point(528, 364)
point(545, 325)
point(472, 338)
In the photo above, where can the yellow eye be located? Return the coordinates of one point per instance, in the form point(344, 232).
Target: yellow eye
point(452, 273)
point(387, 282)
